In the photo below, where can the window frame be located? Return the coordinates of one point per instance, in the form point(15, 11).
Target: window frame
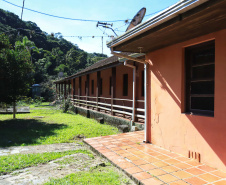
point(190, 53)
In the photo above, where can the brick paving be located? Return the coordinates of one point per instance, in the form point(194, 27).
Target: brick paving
point(148, 164)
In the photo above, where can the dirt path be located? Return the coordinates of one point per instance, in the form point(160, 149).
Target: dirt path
point(54, 169)
point(59, 147)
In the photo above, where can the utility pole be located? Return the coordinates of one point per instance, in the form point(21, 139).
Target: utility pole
point(22, 10)
point(102, 44)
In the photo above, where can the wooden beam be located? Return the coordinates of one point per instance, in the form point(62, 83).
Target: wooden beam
point(79, 87)
point(113, 87)
point(98, 89)
point(87, 88)
point(73, 87)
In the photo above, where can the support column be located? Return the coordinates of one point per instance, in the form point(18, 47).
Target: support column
point(87, 89)
point(137, 89)
point(62, 89)
point(59, 91)
point(134, 93)
point(73, 94)
point(147, 106)
point(69, 88)
point(65, 89)
point(79, 88)
point(98, 89)
point(113, 87)
point(56, 92)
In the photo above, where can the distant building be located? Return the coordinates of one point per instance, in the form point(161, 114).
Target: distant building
point(36, 90)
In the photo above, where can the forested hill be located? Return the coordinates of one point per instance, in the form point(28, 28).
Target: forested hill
point(55, 54)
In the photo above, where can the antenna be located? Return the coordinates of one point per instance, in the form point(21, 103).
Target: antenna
point(137, 19)
point(106, 25)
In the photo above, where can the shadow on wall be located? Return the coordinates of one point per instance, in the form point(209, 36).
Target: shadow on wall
point(25, 131)
point(211, 129)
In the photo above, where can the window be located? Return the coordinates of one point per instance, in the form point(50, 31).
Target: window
point(142, 84)
point(110, 86)
point(125, 85)
point(101, 83)
point(92, 86)
point(200, 73)
point(85, 87)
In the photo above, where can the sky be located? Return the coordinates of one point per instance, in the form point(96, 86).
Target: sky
point(85, 34)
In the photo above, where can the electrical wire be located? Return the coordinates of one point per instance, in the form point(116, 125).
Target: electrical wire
point(33, 31)
point(73, 19)
point(60, 17)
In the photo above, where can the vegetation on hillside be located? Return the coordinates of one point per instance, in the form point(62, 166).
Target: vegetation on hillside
point(54, 54)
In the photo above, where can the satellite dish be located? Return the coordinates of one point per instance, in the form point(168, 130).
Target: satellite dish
point(137, 18)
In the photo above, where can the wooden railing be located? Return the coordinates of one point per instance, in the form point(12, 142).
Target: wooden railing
point(117, 107)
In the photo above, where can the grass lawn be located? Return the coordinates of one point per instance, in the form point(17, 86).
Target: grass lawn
point(19, 161)
point(46, 125)
point(54, 127)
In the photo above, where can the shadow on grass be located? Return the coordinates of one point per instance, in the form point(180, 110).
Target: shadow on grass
point(25, 131)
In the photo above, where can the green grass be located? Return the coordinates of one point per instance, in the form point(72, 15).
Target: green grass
point(19, 161)
point(97, 176)
point(55, 127)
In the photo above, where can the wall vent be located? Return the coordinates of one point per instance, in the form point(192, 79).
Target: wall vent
point(194, 155)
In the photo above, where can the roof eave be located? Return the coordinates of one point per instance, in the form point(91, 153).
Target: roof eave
point(160, 18)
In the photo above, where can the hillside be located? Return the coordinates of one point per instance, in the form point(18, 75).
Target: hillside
point(55, 53)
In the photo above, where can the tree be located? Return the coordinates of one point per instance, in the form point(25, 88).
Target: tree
point(16, 70)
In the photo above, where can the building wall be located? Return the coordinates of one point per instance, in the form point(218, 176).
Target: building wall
point(120, 71)
point(83, 85)
point(76, 85)
point(105, 75)
point(170, 127)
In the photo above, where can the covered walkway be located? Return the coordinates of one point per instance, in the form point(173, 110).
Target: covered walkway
point(149, 164)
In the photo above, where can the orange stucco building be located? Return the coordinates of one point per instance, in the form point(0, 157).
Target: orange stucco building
point(185, 55)
point(180, 77)
point(107, 87)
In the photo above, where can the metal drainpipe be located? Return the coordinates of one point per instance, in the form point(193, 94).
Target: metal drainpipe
point(145, 102)
point(134, 85)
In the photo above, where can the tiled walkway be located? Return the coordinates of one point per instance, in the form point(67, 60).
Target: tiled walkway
point(149, 164)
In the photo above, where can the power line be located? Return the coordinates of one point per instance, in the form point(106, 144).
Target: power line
point(73, 19)
point(85, 36)
point(60, 17)
point(33, 31)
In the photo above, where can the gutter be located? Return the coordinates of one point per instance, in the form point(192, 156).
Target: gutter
point(164, 16)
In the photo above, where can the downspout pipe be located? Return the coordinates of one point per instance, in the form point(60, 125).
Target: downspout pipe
point(145, 88)
point(145, 103)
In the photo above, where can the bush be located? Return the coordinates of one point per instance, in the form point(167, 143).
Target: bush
point(24, 101)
